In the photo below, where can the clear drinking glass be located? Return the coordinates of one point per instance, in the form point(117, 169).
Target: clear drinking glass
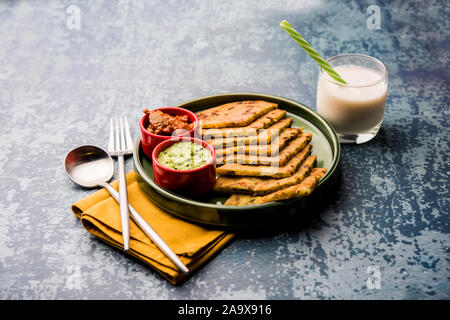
point(355, 109)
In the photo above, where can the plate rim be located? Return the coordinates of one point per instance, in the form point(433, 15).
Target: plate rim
point(175, 197)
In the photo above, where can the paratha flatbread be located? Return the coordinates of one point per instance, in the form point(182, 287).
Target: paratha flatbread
point(251, 129)
point(234, 114)
point(266, 149)
point(265, 136)
point(293, 147)
point(262, 186)
point(285, 171)
point(302, 189)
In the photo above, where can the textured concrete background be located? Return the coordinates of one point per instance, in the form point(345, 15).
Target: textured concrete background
point(59, 86)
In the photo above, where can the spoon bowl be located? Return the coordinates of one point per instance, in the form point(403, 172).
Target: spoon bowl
point(89, 166)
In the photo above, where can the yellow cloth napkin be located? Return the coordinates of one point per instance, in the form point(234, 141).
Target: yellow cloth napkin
point(194, 244)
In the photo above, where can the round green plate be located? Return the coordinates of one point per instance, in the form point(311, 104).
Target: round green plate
point(209, 209)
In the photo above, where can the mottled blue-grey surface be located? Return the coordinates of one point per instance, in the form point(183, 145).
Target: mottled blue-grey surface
point(59, 85)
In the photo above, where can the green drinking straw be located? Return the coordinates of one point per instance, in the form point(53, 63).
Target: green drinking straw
point(309, 50)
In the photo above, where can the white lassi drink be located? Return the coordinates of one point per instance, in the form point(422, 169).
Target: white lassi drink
point(355, 110)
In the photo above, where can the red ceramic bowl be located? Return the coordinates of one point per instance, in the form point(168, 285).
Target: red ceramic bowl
point(149, 140)
point(193, 182)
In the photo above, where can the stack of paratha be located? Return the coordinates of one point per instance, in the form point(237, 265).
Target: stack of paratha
point(260, 158)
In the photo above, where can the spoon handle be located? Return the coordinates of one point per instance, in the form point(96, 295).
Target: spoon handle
point(149, 231)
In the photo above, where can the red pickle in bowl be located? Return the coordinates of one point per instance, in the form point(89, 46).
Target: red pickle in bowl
point(162, 123)
point(165, 120)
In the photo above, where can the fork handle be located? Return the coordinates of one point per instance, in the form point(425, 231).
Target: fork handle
point(149, 231)
point(123, 202)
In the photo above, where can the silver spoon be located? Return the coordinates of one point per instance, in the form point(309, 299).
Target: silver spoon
point(90, 167)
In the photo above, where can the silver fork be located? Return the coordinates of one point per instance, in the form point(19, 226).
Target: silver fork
point(116, 149)
point(120, 144)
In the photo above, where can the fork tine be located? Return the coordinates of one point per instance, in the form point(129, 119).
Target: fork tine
point(122, 136)
point(111, 136)
point(117, 136)
point(128, 135)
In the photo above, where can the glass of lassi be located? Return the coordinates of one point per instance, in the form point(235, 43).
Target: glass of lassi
point(355, 109)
